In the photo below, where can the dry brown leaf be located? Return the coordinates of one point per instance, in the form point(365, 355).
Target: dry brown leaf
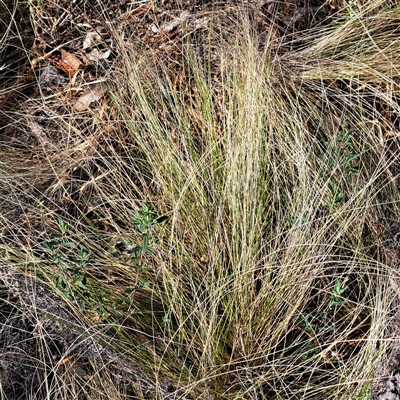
point(93, 39)
point(171, 25)
point(94, 93)
point(68, 63)
point(96, 55)
point(61, 65)
point(72, 61)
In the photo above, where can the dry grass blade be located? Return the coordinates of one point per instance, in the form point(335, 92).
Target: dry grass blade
point(209, 231)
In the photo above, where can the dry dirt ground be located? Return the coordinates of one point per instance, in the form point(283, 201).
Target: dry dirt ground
point(388, 386)
point(31, 68)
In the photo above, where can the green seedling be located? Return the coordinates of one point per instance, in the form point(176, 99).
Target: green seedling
point(305, 324)
point(338, 289)
point(143, 220)
point(335, 194)
point(342, 159)
point(365, 394)
point(71, 264)
point(298, 219)
point(59, 243)
point(322, 320)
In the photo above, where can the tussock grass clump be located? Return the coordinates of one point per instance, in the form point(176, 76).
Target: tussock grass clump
point(211, 229)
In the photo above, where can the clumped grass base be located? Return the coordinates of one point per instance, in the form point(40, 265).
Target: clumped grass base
point(271, 163)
